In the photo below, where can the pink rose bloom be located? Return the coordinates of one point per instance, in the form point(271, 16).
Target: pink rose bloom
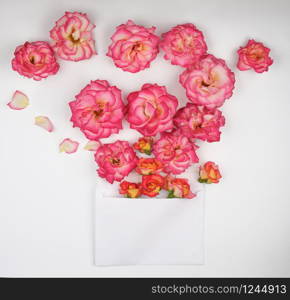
point(115, 160)
point(151, 110)
point(72, 37)
point(209, 82)
point(98, 110)
point(254, 56)
point(176, 152)
point(199, 122)
point(133, 47)
point(35, 60)
point(183, 45)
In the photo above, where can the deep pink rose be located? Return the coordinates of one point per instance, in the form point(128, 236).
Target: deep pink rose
point(208, 82)
point(151, 110)
point(254, 56)
point(115, 160)
point(98, 110)
point(199, 122)
point(72, 37)
point(35, 60)
point(133, 47)
point(183, 45)
point(176, 152)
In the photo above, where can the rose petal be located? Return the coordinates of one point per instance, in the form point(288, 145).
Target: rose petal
point(44, 122)
point(19, 101)
point(68, 146)
point(92, 145)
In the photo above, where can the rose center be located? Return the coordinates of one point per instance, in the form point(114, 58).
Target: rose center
point(205, 84)
point(115, 161)
point(152, 186)
point(137, 47)
point(32, 59)
point(189, 42)
point(196, 125)
point(98, 113)
point(256, 56)
point(73, 38)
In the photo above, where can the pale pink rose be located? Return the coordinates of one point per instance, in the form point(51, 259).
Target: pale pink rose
point(254, 56)
point(208, 82)
point(176, 152)
point(183, 45)
point(98, 110)
point(133, 47)
point(115, 160)
point(35, 60)
point(72, 37)
point(151, 110)
point(199, 122)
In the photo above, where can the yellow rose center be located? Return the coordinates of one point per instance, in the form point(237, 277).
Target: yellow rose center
point(74, 36)
point(138, 47)
point(133, 193)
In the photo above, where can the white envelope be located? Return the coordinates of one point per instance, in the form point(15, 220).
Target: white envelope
point(147, 231)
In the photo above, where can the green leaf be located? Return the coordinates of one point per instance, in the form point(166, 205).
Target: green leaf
point(148, 152)
point(202, 180)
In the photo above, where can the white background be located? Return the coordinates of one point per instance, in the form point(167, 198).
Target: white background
point(46, 198)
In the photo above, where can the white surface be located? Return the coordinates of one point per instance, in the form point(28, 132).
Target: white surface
point(148, 231)
point(46, 198)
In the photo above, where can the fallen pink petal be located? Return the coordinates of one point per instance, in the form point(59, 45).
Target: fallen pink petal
point(44, 123)
point(19, 101)
point(68, 146)
point(92, 145)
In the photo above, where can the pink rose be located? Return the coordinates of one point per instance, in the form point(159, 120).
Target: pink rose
point(254, 56)
point(72, 37)
point(115, 160)
point(35, 60)
point(183, 45)
point(150, 110)
point(209, 82)
point(176, 152)
point(199, 122)
point(133, 47)
point(98, 110)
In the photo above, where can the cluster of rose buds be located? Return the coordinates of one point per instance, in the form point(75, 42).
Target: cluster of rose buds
point(151, 186)
point(116, 160)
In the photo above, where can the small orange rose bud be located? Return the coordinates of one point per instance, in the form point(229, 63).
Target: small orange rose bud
point(144, 145)
point(209, 173)
point(130, 189)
